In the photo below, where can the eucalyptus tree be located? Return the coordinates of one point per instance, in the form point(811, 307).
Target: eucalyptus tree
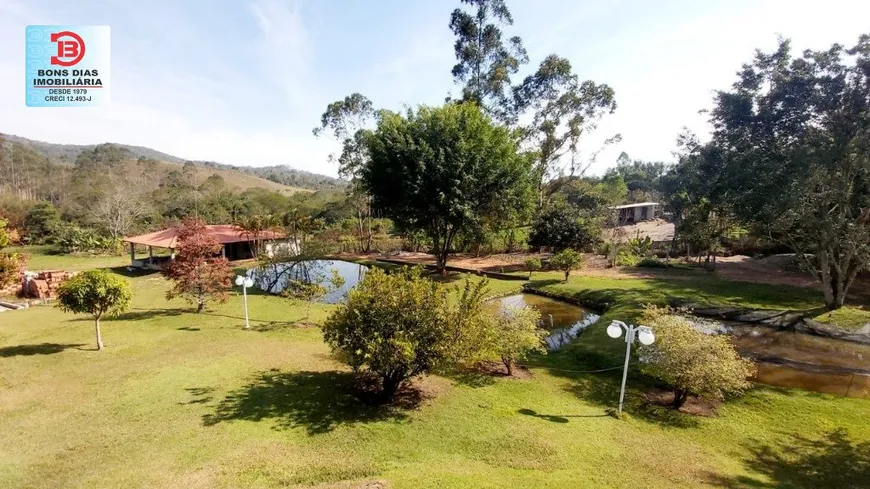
point(347, 120)
point(560, 109)
point(485, 61)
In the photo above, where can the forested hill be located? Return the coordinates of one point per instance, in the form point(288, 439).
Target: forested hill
point(66, 154)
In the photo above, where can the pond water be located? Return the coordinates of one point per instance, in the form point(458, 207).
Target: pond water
point(792, 359)
point(783, 358)
point(563, 321)
point(275, 278)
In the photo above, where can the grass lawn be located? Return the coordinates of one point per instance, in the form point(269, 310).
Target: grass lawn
point(188, 400)
point(43, 257)
point(850, 318)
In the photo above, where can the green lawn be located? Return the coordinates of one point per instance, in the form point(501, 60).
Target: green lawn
point(43, 257)
point(194, 401)
point(849, 318)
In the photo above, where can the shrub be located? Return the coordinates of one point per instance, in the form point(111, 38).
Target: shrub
point(70, 238)
point(625, 258)
point(516, 335)
point(566, 260)
point(651, 262)
point(690, 362)
point(94, 292)
point(532, 264)
point(401, 325)
point(12, 265)
point(641, 247)
point(314, 290)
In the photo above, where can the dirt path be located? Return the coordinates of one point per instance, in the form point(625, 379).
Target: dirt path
point(737, 268)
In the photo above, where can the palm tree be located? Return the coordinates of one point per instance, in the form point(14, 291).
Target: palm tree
point(254, 227)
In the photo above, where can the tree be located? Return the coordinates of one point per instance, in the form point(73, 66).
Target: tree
point(691, 362)
point(41, 221)
point(445, 170)
point(95, 292)
point(642, 178)
point(120, 206)
point(485, 62)
point(198, 272)
point(347, 120)
point(695, 192)
point(517, 335)
point(532, 264)
point(795, 137)
point(562, 109)
point(566, 260)
point(562, 226)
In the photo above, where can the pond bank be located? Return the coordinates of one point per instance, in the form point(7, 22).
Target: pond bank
point(782, 320)
point(788, 352)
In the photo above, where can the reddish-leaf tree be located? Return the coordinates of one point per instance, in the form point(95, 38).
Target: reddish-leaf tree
point(199, 272)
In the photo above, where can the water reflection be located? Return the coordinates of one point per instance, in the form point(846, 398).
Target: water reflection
point(564, 321)
point(793, 359)
point(274, 278)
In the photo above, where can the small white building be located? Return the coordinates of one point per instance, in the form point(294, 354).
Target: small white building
point(642, 211)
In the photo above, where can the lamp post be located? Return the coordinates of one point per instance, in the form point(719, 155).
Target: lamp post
point(643, 333)
point(244, 283)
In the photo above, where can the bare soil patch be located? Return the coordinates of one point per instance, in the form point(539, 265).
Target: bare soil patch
point(496, 369)
point(693, 406)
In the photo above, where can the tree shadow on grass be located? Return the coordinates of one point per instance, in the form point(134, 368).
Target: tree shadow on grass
point(832, 461)
point(317, 401)
point(603, 390)
point(538, 283)
point(278, 326)
point(559, 418)
point(139, 314)
point(36, 349)
point(201, 395)
point(127, 271)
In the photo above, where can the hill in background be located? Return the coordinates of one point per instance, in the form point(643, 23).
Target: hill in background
point(281, 178)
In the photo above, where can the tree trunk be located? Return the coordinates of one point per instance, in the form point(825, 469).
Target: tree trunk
point(680, 397)
point(566, 274)
point(508, 365)
point(200, 305)
point(99, 334)
point(390, 385)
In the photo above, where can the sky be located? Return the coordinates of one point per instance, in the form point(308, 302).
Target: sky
point(244, 82)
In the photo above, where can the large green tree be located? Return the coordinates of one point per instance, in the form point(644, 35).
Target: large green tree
point(795, 132)
point(443, 170)
point(485, 60)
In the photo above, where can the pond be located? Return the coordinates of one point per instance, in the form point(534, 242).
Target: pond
point(793, 359)
point(275, 278)
point(563, 321)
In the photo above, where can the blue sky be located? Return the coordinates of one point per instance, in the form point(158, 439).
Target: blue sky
point(244, 82)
